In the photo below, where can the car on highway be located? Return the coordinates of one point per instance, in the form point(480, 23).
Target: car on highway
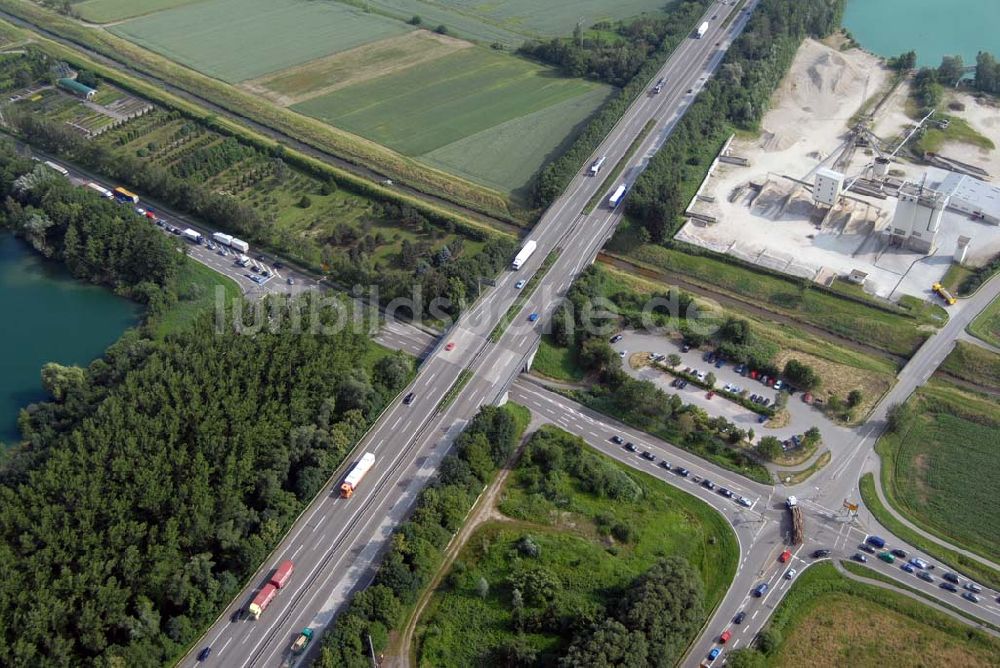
point(907, 566)
point(899, 553)
point(450, 346)
point(867, 548)
point(887, 557)
point(235, 617)
point(630, 446)
point(948, 586)
point(708, 483)
point(714, 654)
point(665, 464)
point(760, 589)
point(860, 558)
point(408, 399)
point(617, 440)
point(520, 284)
point(790, 573)
point(726, 493)
point(725, 635)
point(744, 501)
point(918, 563)
point(951, 577)
point(533, 317)
point(648, 455)
point(204, 654)
point(973, 587)
point(681, 471)
point(819, 554)
point(925, 576)
point(740, 616)
point(969, 596)
point(785, 556)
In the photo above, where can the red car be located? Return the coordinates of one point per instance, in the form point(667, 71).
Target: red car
point(753, 374)
point(785, 556)
point(807, 397)
point(726, 635)
point(450, 346)
point(711, 393)
point(150, 215)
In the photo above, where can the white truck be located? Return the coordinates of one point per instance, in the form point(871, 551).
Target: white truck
point(240, 245)
point(524, 254)
point(192, 236)
point(353, 478)
point(597, 164)
point(702, 29)
point(223, 239)
point(100, 190)
point(617, 196)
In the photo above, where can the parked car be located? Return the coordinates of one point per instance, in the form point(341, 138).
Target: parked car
point(785, 556)
point(709, 394)
point(719, 363)
point(616, 338)
point(450, 346)
point(778, 384)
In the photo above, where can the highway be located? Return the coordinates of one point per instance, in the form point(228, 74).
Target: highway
point(335, 542)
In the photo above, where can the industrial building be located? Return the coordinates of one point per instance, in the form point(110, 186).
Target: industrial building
point(918, 218)
point(973, 197)
point(827, 186)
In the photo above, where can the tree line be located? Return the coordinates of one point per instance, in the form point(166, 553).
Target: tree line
point(418, 545)
point(552, 180)
point(986, 77)
point(98, 240)
point(157, 480)
point(736, 98)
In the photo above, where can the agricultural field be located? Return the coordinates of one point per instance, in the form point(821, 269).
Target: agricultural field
point(973, 363)
point(106, 11)
point(942, 468)
point(590, 546)
point(987, 325)
point(234, 40)
point(827, 620)
point(493, 102)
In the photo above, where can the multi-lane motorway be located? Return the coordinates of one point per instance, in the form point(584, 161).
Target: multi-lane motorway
point(335, 542)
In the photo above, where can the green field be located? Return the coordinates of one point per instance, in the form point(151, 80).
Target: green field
point(974, 363)
point(580, 542)
point(507, 156)
point(828, 620)
point(434, 104)
point(987, 325)
point(105, 11)
point(943, 468)
point(235, 40)
point(196, 295)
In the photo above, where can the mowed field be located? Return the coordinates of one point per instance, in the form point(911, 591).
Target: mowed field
point(234, 40)
point(105, 11)
point(490, 117)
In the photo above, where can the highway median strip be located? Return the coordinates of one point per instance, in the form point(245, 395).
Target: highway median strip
point(526, 292)
point(618, 168)
point(455, 389)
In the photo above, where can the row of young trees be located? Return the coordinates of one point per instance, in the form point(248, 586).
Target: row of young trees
point(737, 97)
point(419, 543)
point(98, 241)
point(160, 477)
point(950, 71)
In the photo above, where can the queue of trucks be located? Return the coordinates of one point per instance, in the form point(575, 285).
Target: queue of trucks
point(279, 578)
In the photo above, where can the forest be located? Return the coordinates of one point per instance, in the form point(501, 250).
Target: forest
point(98, 240)
point(736, 97)
point(157, 479)
point(418, 544)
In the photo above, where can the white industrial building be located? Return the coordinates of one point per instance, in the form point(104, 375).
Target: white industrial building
point(917, 219)
point(827, 187)
point(971, 196)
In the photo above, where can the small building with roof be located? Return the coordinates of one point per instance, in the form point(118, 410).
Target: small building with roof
point(76, 88)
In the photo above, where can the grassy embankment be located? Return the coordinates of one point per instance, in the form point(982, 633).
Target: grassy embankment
point(828, 620)
point(591, 545)
point(986, 326)
point(974, 364)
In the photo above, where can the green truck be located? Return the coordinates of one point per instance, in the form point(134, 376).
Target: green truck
point(887, 557)
point(302, 641)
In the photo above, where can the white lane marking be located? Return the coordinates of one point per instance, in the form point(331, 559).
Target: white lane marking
point(320, 523)
point(224, 647)
point(396, 423)
point(754, 615)
point(301, 545)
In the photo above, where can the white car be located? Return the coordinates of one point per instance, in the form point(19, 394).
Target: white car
point(519, 284)
point(623, 353)
point(790, 573)
point(700, 375)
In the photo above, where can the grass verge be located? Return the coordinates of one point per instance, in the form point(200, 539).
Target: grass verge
point(463, 379)
point(796, 477)
point(866, 572)
point(974, 363)
point(557, 362)
point(829, 620)
point(969, 567)
point(986, 326)
point(196, 290)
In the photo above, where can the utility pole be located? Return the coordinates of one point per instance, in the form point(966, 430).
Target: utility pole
point(371, 648)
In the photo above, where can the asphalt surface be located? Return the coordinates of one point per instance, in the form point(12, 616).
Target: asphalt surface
point(335, 542)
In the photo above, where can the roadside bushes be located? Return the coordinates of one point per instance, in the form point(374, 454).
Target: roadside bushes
point(418, 544)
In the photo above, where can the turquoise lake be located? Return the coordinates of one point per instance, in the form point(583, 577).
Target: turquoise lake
point(933, 28)
point(48, 316)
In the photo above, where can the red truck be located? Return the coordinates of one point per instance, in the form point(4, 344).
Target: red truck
point(277, 580)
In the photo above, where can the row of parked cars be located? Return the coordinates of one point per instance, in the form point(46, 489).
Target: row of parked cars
point(950, 581)
point(682, 472)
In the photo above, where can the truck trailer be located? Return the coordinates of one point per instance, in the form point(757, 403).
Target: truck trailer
point(524, 254)
point(353, 478)
point(192, 235)
point(279, 578)
point(223, 239)
point(702, 29)
point(239, 245)
point(101, 190)
point(617, 196)
point(56, 168)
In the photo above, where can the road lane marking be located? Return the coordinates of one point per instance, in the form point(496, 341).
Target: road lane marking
point(224, 647)
point(301, 545)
